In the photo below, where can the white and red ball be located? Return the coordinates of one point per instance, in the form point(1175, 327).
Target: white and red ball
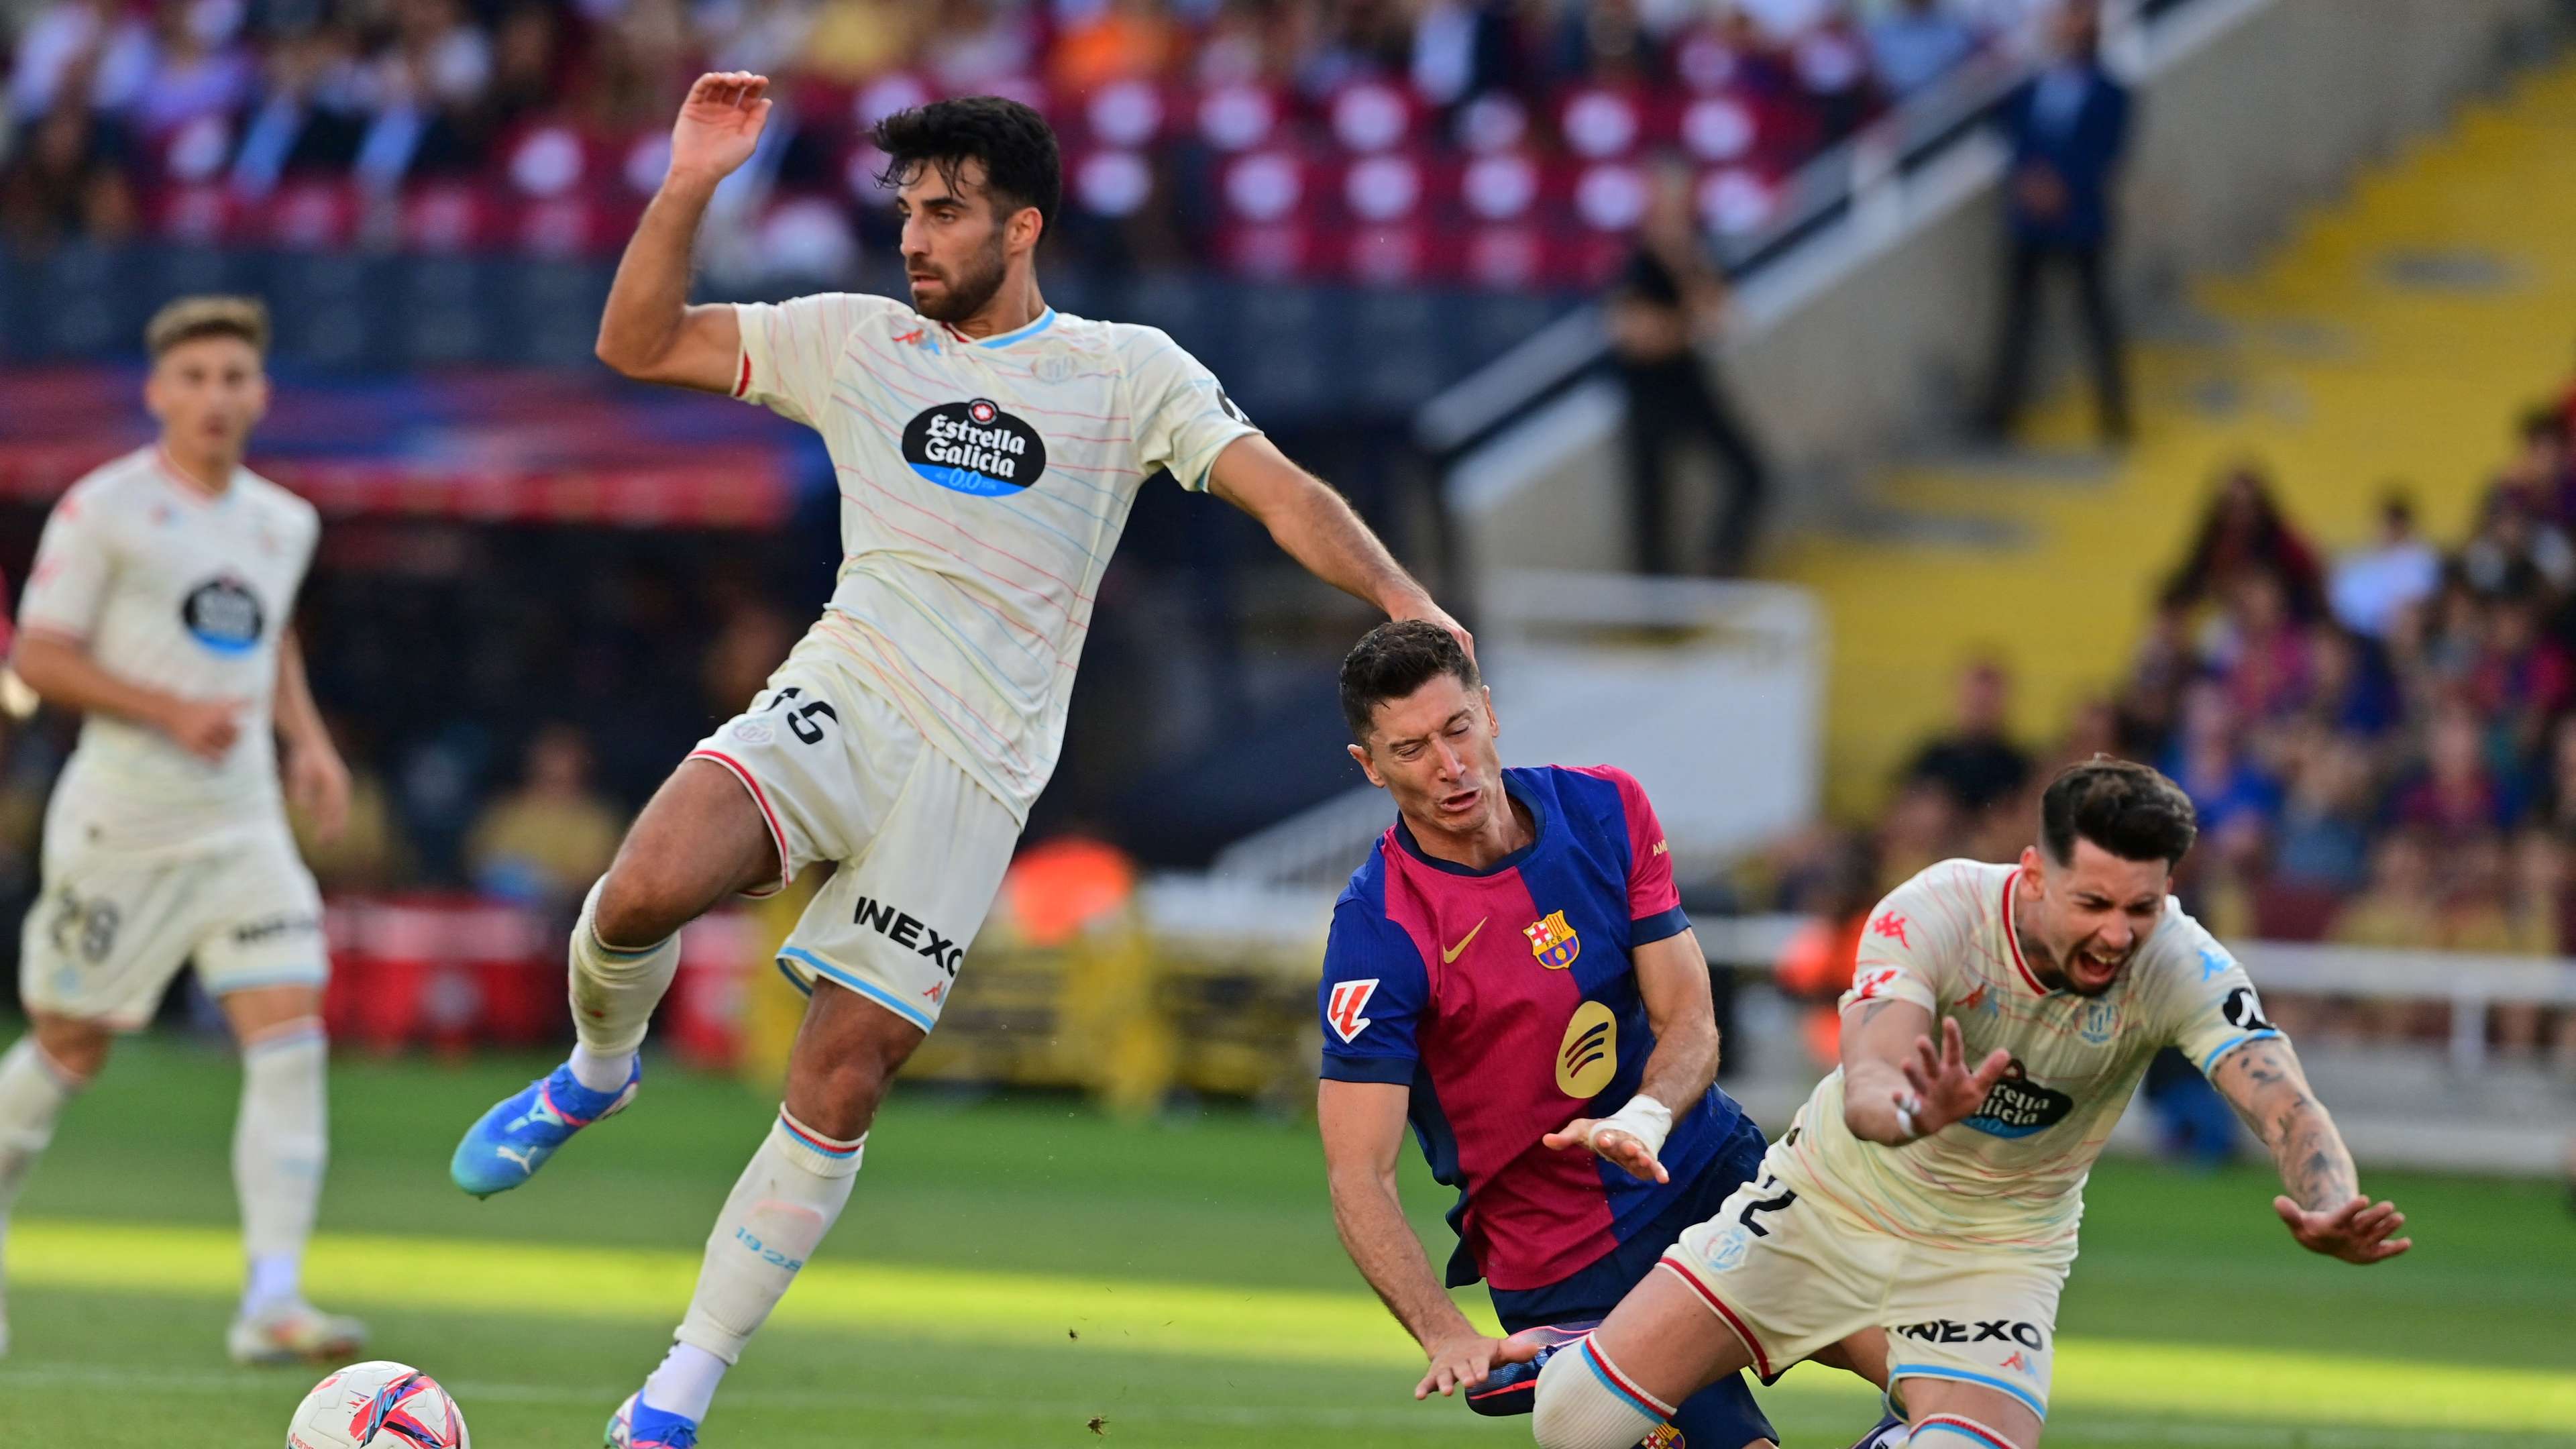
point(378, 1405)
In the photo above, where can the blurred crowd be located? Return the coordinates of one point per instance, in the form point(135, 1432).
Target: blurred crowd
point(2381, 743)
point(1264, 128)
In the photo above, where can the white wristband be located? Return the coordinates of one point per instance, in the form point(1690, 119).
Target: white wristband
point(1644, 1118)
point(1905, 1118)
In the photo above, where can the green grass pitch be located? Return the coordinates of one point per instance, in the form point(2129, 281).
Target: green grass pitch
point(1012, 1268)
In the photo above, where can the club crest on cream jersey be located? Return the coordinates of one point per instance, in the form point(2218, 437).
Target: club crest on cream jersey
point(984, 483)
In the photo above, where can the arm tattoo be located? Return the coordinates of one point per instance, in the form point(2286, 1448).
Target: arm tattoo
point(2269, 1092)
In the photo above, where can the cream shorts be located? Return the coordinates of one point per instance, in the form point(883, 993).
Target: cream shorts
point(840, 775)
point(110, 931)
point(1790, 1276)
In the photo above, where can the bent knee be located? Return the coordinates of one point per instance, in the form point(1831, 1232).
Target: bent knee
point(640, 905)
point(1576, 1408)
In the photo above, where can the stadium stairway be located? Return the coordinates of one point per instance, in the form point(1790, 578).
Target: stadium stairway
point(2394, 337)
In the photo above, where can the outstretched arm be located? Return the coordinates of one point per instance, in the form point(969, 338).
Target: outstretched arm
point(648, 330)
point(2324, 1208)
point(1896, 1085)
point(1316, 526)
point(1363, 1127)
point(1672, 978)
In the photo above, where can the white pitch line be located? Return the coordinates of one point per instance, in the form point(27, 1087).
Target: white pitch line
point(468, 1391)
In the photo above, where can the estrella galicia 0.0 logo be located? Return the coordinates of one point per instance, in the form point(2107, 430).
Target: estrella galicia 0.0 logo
point(2018, 1106)
point(224, 615)
point(974, 447)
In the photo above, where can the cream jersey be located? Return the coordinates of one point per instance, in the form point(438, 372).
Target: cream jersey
point(2011, 1177)
point(983, 485)
point(187, 592)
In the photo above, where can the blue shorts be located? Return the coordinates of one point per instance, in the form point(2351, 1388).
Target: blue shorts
point(1721, 1416)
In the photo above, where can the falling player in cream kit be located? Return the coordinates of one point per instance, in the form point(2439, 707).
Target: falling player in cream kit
point(1938, 1201)
point(987, 450)
point(159, 606)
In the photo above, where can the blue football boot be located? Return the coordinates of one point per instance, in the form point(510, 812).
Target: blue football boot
point(638, 1425)
point(507, 1145)
point(1512, 1387)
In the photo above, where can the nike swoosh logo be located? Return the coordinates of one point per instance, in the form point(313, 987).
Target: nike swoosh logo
point(1449, 954)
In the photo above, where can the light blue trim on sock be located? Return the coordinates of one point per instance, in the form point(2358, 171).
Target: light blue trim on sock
point(2029, 1400)
point(840, 976)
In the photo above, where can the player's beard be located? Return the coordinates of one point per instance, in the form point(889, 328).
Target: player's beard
point(964, 295)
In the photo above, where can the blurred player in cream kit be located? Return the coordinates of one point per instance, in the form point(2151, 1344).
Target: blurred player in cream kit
point(160, 607)
point(1933, 1191)
point(988, 449)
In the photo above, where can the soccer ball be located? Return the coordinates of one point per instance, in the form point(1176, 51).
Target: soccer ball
point(378, 1405)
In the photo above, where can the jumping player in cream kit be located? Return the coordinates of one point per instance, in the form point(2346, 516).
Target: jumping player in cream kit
point(159, 607)
point(988, 449)
point(1938, 1201)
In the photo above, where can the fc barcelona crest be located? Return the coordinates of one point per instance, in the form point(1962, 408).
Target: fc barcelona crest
point(1553, 942)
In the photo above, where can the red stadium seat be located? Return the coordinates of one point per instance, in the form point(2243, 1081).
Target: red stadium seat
point(1371, 115)
point(1722, 127)
point(549, 159)
point(1378, 190)
point(1126, 114)
point(1598, 122)
point(1734, 200)
point(1492, 122)
point(1239, 117)
point(1610, 197)
point(445, 217)
point(646, 159)
point(1386, 256)
point(1266, 187)
point(1272, 253)
point(200, 215)
point(1500, 188)
point(1508, 257)
point(310, 215)
point(1112, 183)
point(887, 94)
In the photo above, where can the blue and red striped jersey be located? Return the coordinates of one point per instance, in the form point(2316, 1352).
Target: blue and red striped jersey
point(1505, 999)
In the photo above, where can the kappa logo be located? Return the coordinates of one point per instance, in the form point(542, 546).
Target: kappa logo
point(1873, 984)
point(1553, 942)
point(1342, 1009)
point(1891, 926)
point(911, 932)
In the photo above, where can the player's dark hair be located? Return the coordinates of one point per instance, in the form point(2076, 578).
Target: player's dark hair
point(1393, 660)
point(2125, 808)
point(190, 318)
point(1021, 164)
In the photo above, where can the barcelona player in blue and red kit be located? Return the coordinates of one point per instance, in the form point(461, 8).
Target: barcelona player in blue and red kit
point(1510, 972)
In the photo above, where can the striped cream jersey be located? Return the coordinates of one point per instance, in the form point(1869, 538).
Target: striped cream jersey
point(2011, 1177)
point(983, 484)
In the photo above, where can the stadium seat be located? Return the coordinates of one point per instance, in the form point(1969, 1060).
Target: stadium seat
point(1371, 116)
point(1238, 117)
point(1112, 183)
point(1598, 122)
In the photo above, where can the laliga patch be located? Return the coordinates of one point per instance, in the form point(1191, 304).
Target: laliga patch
point(2018, 1106)
point(974, 447)
point(1342, 1009)
point(224, 615)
